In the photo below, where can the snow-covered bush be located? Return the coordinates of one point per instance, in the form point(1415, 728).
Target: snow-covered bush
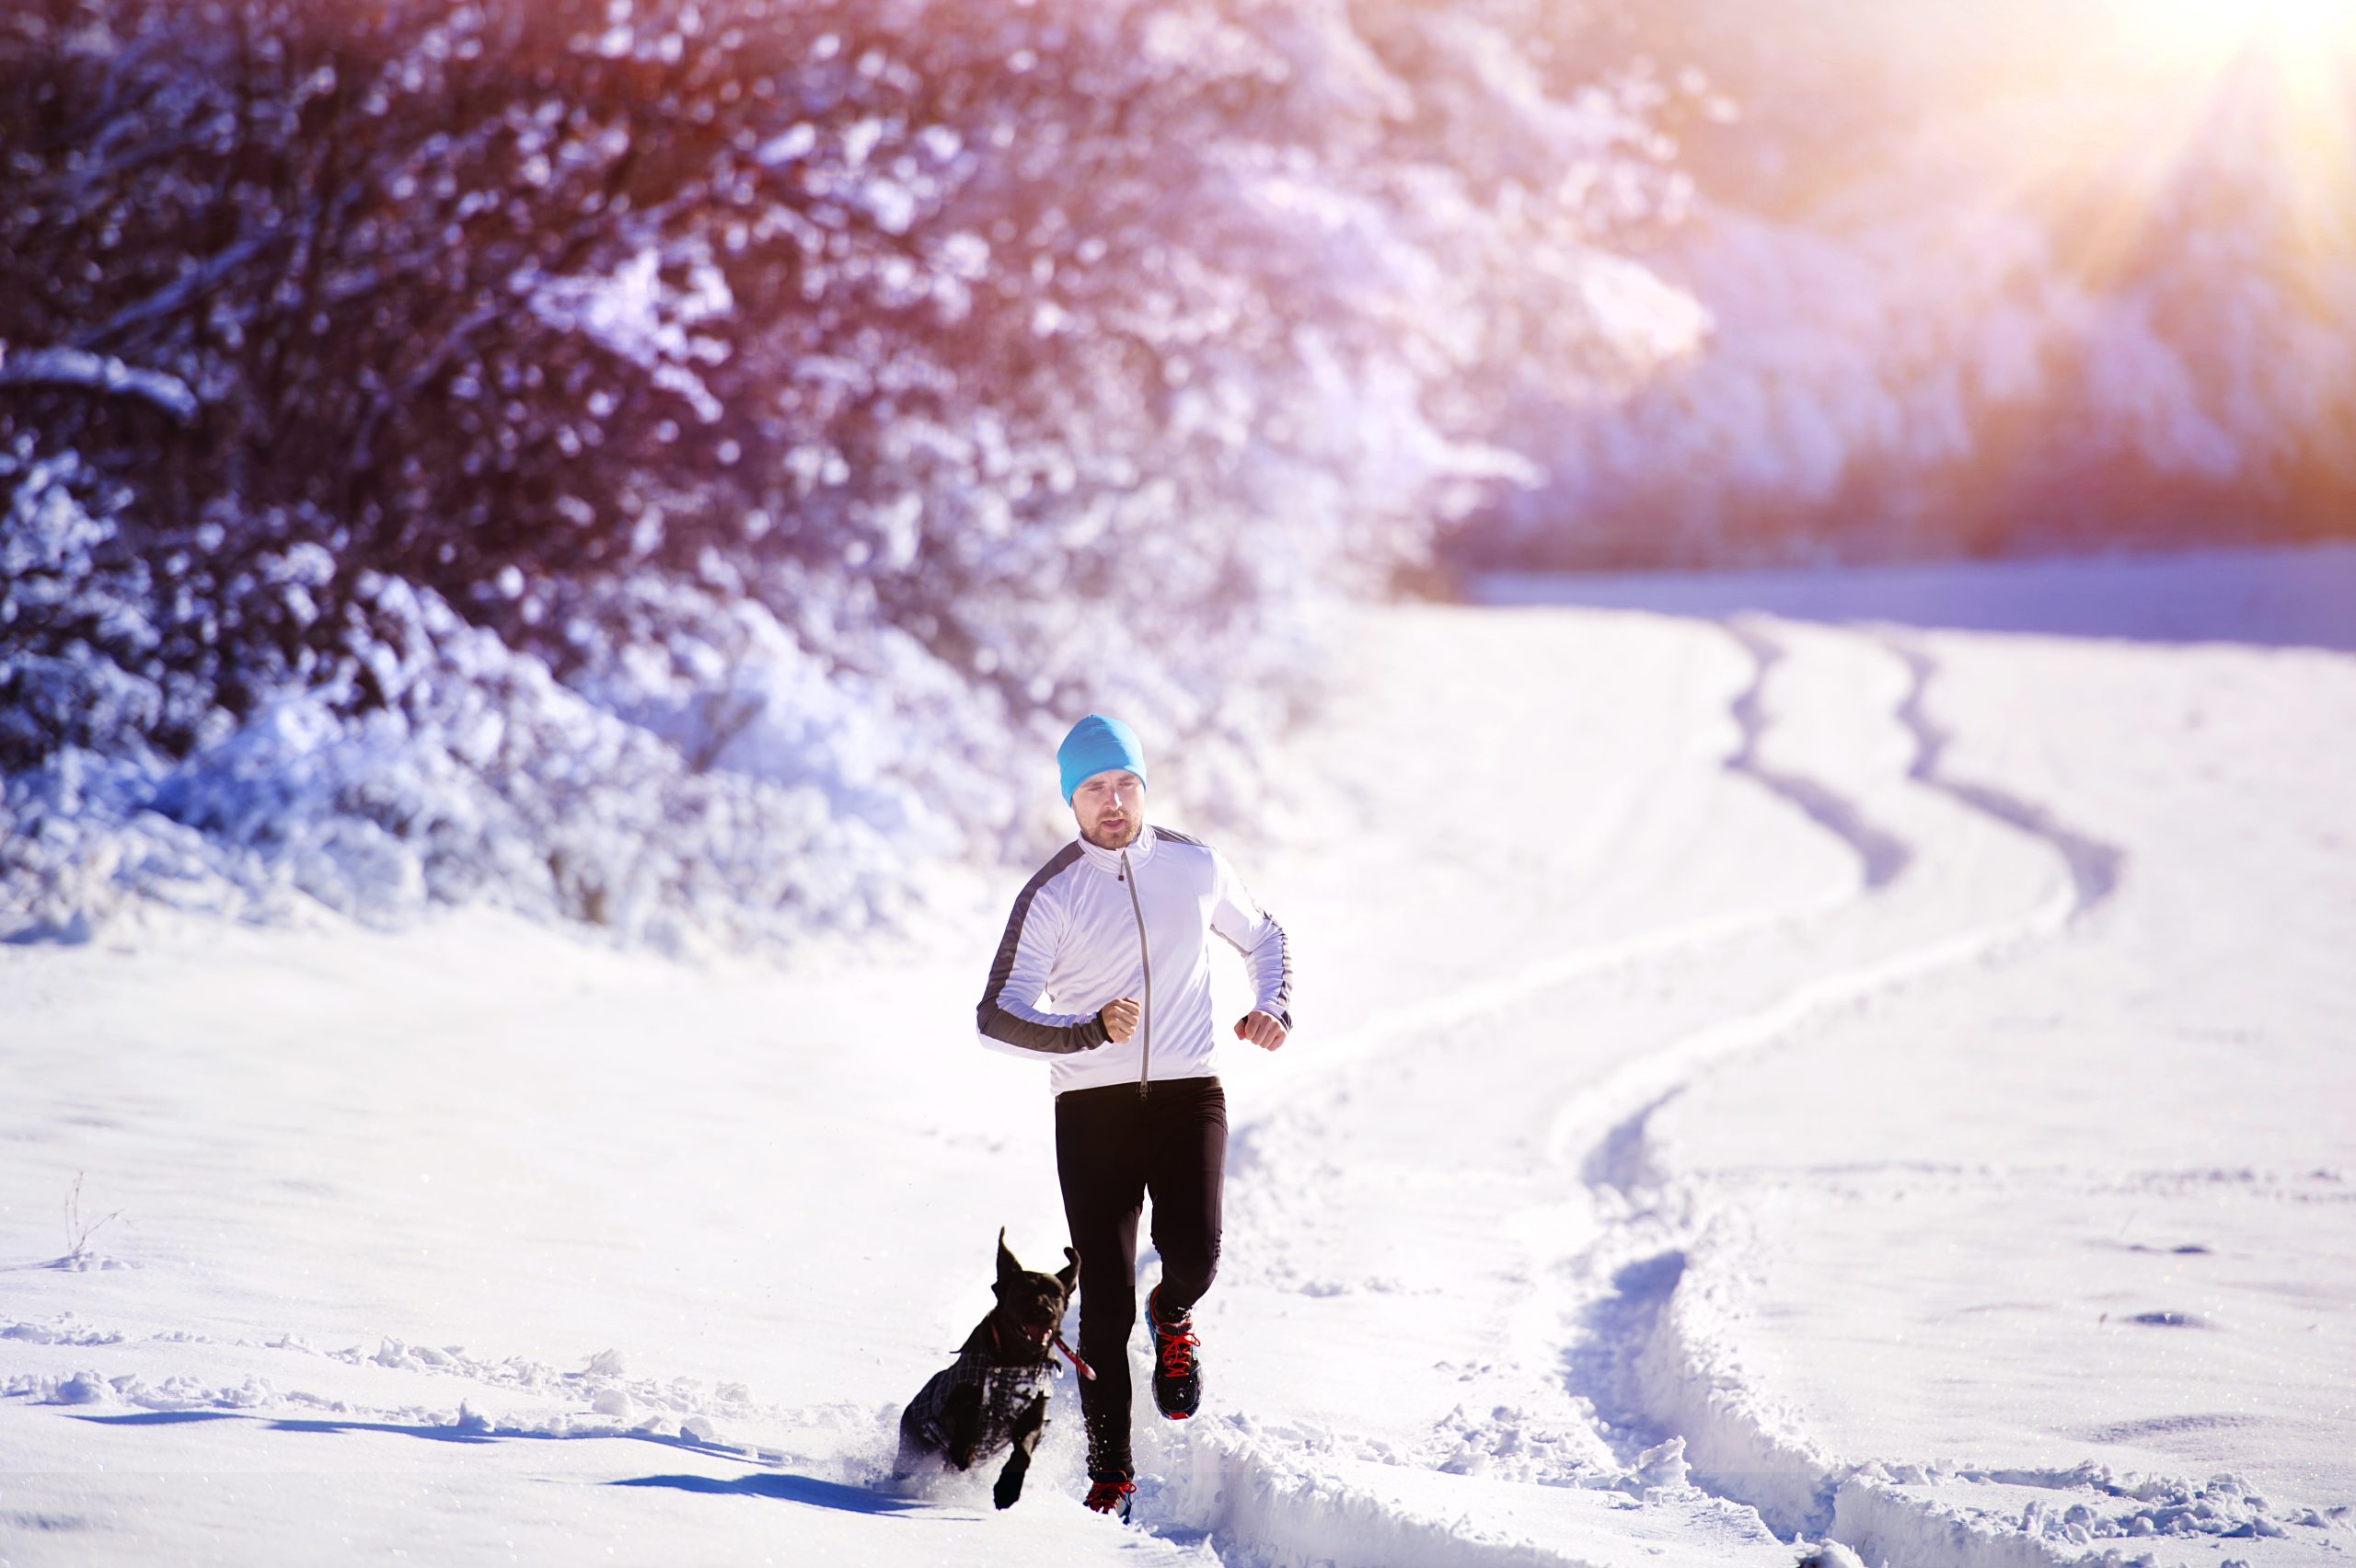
point(681, 462)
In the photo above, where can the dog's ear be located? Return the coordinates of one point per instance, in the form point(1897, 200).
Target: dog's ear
point(1069, 1273)
point(1008, 1269)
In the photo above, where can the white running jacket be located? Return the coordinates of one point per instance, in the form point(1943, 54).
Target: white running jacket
point(1095, 925)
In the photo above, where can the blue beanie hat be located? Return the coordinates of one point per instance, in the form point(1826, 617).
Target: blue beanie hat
point(1098, 744)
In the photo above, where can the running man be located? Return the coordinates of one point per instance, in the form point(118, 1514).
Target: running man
point(1105, 971)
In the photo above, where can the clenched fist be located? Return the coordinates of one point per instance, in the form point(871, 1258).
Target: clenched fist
point(1120, 1018)
point(1262, 1029)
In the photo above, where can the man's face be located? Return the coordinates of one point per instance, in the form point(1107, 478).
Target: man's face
point(1111, 808)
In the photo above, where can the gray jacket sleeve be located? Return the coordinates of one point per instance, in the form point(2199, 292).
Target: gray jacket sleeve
point(1008, 1018)
point(1254, 933)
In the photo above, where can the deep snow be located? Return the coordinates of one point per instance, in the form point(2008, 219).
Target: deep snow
point(1786, 1066)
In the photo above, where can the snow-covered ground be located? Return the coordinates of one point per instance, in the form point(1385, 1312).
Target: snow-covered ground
point(1852, 1057)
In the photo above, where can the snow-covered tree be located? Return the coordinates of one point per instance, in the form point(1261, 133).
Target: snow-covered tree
point(678, 463)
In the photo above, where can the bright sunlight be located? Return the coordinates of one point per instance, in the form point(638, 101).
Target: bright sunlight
point(2212, 28)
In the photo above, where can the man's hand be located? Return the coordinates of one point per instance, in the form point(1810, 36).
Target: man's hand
point(1261, 1029)
point(1120, 1018)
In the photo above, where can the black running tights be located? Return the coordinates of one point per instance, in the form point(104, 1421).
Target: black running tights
point(1113, 1148)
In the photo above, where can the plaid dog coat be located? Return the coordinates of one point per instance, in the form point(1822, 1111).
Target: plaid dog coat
point(1007, 1391)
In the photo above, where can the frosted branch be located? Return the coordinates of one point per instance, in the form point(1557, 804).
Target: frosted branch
point(98, 373)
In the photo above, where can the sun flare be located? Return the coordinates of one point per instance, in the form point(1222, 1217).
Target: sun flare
point(2276, 78)
point(2221, 28)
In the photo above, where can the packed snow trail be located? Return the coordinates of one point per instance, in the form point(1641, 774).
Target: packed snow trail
point(1884, 855)
point(2206, 761)
point(1554, 1395)
point(1951, 891)
point(2157, 1205)
point(1625, 993)
point(1662, 1382)
point(2093, 865)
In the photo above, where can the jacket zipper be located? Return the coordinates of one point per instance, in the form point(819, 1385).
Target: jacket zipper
point(1145, 957)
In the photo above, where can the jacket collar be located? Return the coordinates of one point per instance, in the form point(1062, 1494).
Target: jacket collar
point(1109, 861)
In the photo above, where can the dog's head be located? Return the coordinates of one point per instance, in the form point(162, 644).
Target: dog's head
point(1029, 1304)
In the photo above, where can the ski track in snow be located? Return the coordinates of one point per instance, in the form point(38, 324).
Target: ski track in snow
point(2093, 865)
point(1652, 1363)
point(1637, 1360)
point(1883, 853)
point(1658, 1366)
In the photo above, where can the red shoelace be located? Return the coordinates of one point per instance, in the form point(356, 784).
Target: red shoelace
point(1105, 1496)
point(1177, 1352)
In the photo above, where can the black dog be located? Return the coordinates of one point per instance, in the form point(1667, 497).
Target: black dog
point(992, 1397)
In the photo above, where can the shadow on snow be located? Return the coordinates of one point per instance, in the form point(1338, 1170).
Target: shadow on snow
point(784, 1486)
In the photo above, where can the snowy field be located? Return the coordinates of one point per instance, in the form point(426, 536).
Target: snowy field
point(1858, 1057)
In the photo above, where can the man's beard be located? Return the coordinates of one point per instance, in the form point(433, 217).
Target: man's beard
point(1097, 836)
